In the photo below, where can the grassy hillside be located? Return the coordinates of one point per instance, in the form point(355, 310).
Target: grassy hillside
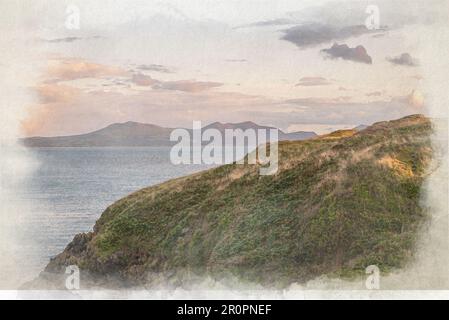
point(338, 203)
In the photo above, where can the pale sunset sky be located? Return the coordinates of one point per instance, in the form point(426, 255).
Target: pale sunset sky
point(296, 65)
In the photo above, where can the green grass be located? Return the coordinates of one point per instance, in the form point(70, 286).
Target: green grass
point(333, 208)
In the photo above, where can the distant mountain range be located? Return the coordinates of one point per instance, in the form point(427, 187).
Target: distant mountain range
point(134, 134)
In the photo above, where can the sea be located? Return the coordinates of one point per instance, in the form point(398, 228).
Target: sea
point(69, 188)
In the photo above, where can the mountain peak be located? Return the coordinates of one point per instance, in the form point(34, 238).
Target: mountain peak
point(235, 125)
point(131, 124)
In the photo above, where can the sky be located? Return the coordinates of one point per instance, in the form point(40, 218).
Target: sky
point(296, 65)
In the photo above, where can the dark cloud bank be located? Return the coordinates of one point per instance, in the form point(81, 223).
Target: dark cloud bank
point(343, 51)
point(309, 35)
point(404, 59)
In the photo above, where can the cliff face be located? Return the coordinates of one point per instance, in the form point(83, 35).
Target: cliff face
point(338, 204)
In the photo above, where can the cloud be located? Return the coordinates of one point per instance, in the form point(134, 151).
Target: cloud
point(404, 59)
point(357, 54)
point(143, 80)
point(335, 111)
point(393, 14)
point(236, 60)
point(187, 85)
point(374, 94)
point(313, 81)
point(73, 69)
point(268, 23)
point(95, 109)
point(155, 67)
point(309, 35)
point(52, 99)
point(313, 101)
point(116, 83)
point(415, 99)
point(55, 93)
point(70, 39)
point(68, 69)
point(67, 39)
point(152, 106)
point(191, 86)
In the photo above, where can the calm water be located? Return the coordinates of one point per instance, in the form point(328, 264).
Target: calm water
point(72, 187)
